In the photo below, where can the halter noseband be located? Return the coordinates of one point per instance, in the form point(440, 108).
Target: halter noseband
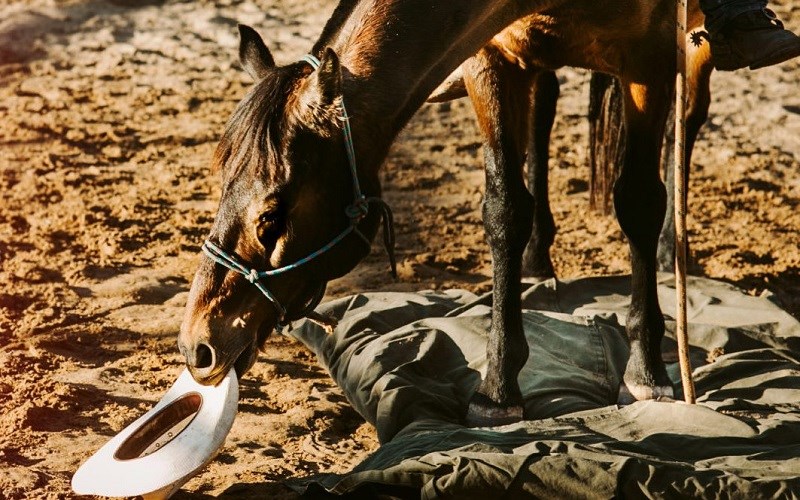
point(356, 212)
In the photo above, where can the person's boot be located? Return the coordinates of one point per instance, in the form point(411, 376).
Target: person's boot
point(755, 39)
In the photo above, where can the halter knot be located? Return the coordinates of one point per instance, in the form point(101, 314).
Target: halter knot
point(252, 276)
point(358, 209)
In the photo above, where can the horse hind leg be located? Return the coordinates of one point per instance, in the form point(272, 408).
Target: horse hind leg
point(640, 204)
point(500, 93)
point(536, 259)
point(698, 100)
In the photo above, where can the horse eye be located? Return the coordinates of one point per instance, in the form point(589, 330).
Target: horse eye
point(268, 218)
point(269, 227)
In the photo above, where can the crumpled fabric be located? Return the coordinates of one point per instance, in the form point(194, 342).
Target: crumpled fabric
point(409, 362)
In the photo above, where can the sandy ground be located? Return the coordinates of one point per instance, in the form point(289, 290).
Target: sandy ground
point(110, 113)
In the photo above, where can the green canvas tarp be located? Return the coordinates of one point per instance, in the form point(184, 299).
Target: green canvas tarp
point(408, 363)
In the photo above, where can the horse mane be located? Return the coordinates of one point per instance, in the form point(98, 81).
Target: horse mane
point(254, 130)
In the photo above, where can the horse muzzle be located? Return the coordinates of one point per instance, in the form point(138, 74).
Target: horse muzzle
point(211, 348)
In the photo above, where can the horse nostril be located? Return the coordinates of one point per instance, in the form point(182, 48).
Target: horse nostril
point(204, 356)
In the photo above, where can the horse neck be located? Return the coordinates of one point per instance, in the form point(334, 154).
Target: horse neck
point(394, 53)
point(334, 25)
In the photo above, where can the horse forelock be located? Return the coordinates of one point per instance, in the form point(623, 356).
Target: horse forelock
point(254, 137)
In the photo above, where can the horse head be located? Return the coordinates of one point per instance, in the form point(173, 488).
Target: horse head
point(292, 214)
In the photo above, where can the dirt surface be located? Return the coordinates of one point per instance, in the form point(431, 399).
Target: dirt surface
point(110, 113)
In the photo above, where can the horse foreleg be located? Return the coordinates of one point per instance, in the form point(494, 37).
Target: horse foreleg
point(536, 259)
point(500, 93)
point(640, 203)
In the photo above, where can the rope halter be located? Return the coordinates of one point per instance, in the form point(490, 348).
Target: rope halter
point(355, 212)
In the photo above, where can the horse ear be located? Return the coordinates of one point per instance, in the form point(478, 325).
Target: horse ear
point(253, 53)
point(329, 78)
point(320, 96)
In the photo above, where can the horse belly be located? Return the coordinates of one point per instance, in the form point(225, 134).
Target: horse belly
point(599, 36)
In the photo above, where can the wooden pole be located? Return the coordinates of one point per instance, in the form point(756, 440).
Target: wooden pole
point(681, 331)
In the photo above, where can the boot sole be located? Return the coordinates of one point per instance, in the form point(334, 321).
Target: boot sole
point(782, 55)
point(778, 57)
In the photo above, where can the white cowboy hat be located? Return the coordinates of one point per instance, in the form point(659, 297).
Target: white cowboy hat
point(155, 455)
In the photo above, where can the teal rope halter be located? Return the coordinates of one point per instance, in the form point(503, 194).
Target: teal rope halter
point(356, 212)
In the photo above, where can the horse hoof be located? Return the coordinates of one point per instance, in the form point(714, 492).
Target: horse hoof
point(629, 394)
point(537, 267)
point(538, 272)
point(483, 412)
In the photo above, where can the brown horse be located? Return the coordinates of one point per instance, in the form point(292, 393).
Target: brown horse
point(288, 223)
